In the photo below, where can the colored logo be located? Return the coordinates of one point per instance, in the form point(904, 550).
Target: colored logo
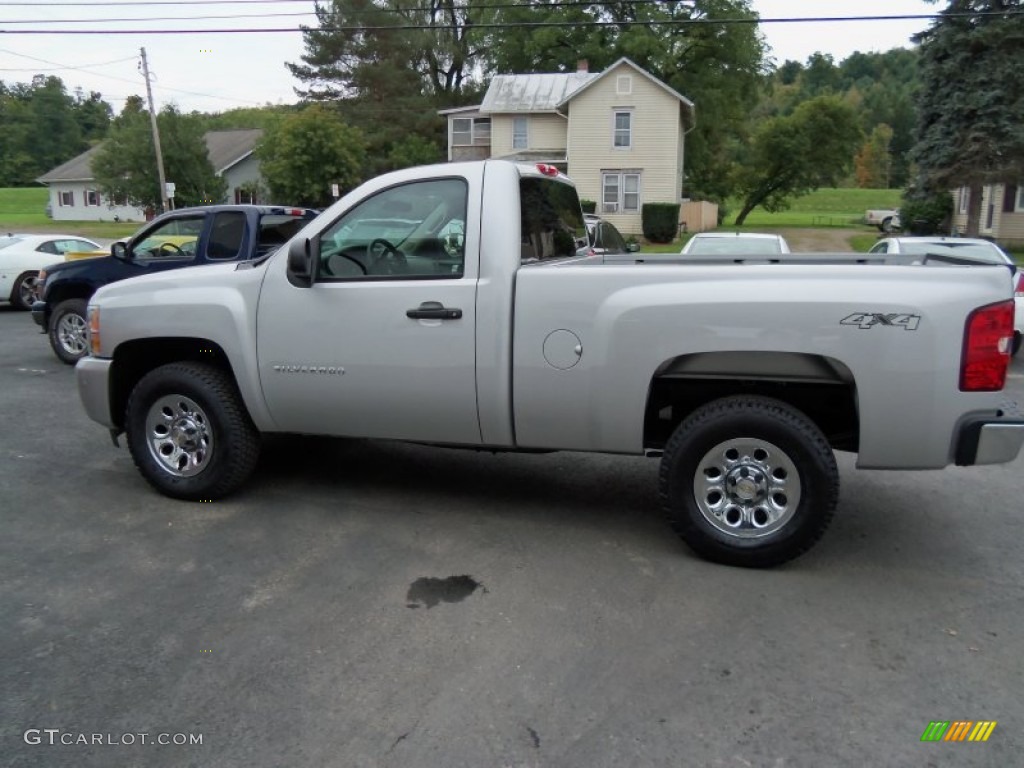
point(958, 730)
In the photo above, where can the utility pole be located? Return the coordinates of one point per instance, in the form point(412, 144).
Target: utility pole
point(156, 135)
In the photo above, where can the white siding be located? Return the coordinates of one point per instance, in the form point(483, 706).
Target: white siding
point(247, 170)
point(656, 142)
point(544, 132)
point(81, 212)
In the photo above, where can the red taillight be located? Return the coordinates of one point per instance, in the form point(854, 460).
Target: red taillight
point(987, 342)
point(547, 170)
point(1019, 290)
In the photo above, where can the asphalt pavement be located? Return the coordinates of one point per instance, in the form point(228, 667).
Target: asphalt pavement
point(367, 603)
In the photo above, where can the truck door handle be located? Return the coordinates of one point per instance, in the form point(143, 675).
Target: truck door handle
point(433, 310)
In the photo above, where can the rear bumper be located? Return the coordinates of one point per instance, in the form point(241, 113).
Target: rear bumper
point(93, 377)
point(991, 440)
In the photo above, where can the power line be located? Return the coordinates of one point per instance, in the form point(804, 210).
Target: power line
point(157, 18)
point(61, 68)
point(45, 3)
point(517, 24)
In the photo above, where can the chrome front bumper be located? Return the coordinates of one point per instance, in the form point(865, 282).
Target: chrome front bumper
point(93, 377)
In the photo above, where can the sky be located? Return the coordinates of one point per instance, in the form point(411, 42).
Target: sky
point(213, 72)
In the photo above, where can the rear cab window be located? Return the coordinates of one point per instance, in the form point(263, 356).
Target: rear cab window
point(551, 220)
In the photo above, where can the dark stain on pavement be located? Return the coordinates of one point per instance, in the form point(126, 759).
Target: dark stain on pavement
point(534, 737)
point(429, 591)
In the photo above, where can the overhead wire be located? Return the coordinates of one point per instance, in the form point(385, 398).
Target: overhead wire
point(517, 24)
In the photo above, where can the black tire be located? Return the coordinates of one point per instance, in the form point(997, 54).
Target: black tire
point(213, 415)
point(768, 441)
point(23, 293)
point(1015, 347)
point(67, 331)
point(886, 225)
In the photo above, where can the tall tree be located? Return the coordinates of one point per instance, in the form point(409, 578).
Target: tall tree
point(793, 155)
point(873, 165)
point(125, 165)
point(971, 101)
point(304, 154)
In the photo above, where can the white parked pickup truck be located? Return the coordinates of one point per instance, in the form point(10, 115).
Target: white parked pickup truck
point(447, 304)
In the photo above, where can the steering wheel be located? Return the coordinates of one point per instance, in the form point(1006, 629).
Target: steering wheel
point(169, 248)
point(391, 260)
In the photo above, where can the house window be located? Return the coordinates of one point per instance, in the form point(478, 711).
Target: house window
point(624, 85)
point(67, 198)
point(965, 197)
point(519, 134)
point(467, 131)
point(623, 130)
point(1020, 197)
point(620, 192)
point(92, 197)
point(119, 198)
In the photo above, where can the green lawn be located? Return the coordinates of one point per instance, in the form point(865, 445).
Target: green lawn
point(822, 208)
point(25, 208)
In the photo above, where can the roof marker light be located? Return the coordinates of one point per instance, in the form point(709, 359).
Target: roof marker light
point(547, 170)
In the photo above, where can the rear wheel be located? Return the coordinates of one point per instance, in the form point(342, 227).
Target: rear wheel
point(886, 225)
point(23, 294)
point(189, 433)
point(749, 481)
point(68, 331)
point(1016, 344)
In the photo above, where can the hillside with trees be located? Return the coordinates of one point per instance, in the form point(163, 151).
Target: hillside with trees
point(382, 86)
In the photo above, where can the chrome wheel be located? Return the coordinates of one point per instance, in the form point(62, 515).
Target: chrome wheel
point(747, 488)
point(71, 330)
point(27, 291)
point(178, 435)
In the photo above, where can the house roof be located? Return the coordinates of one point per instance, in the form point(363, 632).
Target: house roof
point(224, 148)
point(640, 70)
point(533, 93)
point(76, 169)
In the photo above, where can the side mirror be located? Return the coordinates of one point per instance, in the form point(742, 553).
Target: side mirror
point(301, 254)
point(119, 250)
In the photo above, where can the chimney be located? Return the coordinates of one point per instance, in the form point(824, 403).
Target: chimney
point(581, 66)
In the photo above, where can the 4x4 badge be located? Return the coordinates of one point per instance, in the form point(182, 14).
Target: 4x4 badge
point(865, 320)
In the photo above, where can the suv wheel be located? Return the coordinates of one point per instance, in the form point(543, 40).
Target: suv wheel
point(68, 331)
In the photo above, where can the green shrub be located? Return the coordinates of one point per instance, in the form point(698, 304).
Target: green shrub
point(660, 221)
point(589, 206)
point(926, 213)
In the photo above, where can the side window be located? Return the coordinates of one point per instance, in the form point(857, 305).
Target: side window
point(175, 239)
point(879, 248)
point(612, 239)
point(412, 231)
point(50, 246)
point(551, 221)
point(226, 235)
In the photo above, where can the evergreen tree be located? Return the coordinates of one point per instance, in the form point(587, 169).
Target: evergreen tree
point(971, 101)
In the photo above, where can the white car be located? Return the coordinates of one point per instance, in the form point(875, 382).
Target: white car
point(735, 243)
point(962, 246)
point(22, 256)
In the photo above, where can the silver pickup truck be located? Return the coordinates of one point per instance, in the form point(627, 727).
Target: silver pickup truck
point(448, 305)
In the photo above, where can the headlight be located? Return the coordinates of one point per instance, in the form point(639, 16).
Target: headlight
point(94, 330)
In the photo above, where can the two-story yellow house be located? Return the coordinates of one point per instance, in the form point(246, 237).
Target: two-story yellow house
point(619, 134)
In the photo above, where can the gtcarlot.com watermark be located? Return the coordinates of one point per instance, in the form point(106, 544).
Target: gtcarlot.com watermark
point(56, 736)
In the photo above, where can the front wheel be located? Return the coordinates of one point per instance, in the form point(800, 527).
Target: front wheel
point(68, 330)
point(189, 433)
point(749, 481)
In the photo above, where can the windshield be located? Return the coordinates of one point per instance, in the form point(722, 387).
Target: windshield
point(7, 241)
point(702, 246)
